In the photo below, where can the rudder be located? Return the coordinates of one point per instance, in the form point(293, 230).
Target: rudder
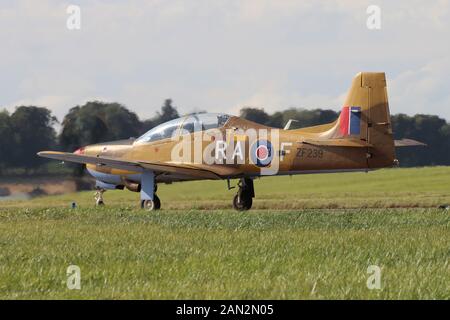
point(366, 116)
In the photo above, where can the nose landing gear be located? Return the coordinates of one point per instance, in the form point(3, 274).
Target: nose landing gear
point(98, 196)
point(243, 200)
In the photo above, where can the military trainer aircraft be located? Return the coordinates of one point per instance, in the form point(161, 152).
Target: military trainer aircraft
point(220, 146)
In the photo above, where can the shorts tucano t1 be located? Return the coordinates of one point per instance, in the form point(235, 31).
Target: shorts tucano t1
point(220, 146)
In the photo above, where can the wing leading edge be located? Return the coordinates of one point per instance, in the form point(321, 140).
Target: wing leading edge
point(136, 166)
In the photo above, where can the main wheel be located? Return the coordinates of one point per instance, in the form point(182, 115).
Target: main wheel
point(242, 203)
point(151, 205)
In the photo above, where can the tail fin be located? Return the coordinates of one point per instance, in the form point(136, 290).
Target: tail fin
point(366, 116)
point(364, 122)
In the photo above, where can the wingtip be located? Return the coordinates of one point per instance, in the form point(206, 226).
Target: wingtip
point(409, 143)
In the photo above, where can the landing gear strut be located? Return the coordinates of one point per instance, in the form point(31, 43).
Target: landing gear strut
point(243, 200)
point(98, 196)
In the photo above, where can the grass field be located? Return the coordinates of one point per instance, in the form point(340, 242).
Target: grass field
point(309, 236)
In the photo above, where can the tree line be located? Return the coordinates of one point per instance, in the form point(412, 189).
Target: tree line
point(30, 129)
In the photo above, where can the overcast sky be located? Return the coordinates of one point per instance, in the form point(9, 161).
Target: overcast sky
point(221, 55)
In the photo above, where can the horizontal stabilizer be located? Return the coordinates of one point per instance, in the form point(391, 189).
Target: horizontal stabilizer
point(355, 143)
point(408, 143)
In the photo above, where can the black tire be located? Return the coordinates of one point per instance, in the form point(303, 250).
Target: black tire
point(157, 202)
point(242, 203)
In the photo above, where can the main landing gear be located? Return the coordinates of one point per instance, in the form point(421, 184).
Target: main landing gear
point(148, 204)
point(149, 199)
point(154, 204)
point(243, 200)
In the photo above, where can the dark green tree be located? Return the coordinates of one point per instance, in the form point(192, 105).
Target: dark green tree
point(168, 112)
point(147, 125)
point(432, 130)
point(97, 122)
point(6, 140)
point(254, 114)
point(305, 118)
point(280, 118)
point(33, 131)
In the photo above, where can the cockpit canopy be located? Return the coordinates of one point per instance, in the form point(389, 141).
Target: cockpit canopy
point(184, 125)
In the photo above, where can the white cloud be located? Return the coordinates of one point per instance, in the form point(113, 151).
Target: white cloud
point(220, 55)
point(423, 90)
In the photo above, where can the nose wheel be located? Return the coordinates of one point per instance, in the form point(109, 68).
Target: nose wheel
point(243, 200)
point(98, 196)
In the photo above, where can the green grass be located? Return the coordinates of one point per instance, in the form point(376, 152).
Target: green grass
point(417, 187)
point(311, 237)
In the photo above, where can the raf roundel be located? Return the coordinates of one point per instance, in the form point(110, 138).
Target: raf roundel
point(261, 153)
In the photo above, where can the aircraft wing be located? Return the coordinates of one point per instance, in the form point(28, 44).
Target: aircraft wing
point(191, 170)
